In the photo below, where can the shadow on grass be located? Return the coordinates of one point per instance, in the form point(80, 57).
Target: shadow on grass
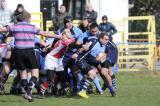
point(58, 96)
point(11, 101)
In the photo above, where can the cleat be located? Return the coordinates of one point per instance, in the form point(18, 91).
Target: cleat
point(13, 91)
point(25, 96)
point(83, 94)
point(90, 91)
point(2, 90)
point(101, 93)
point(23, 91)
point(113, 94)
point(30, 99)
point(74, 91)
point(40, 96)
point(54, 90)
point(62, 92)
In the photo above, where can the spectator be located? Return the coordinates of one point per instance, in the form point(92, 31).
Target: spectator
point(17, 12)
point(59, 17)
point(5, 14)
point(5, 17)
point(107, 27)
point(91, 14)
point(84, 26)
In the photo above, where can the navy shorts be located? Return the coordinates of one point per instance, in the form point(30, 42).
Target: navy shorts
point(84, 66)
point(107, 64)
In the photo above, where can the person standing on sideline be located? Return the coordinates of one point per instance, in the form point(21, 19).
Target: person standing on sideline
point(91, 14)
point(5, 18)
point(58, 18)
point(17, 12)
point(107, 27)
point(84, 26)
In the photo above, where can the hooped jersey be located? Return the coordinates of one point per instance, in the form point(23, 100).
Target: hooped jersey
point(60, 47)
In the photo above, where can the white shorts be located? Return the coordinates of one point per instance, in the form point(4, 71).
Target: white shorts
point(52, 63)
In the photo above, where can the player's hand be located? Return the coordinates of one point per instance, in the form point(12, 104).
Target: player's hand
point(59, 36)
point(44, 49)
point(101, 57)
point(85, 47)
point(74, 56)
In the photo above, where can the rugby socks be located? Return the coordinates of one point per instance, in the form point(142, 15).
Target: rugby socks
point(3, 77)
point(16, 81)
point(97, 84)
point(62, 79)
point(24, 83)
point(113, 77)
point(50, 75)
point(84, 84)
point(80, 77)
point(43, 87)
point(111, 89)
point(31, 85)
point(16, 86)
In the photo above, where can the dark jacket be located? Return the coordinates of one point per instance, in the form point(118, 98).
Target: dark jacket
point(109, 28)
point(91, 16)
point(57, 20)
point(84, 29)
point(16, 16)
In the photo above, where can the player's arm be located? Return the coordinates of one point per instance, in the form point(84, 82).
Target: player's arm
point(8, 40)
point(43, 43)
point(113, 29)
point(3, 29)
point(47, 34)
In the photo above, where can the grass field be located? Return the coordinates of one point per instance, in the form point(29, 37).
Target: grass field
point(134, 89)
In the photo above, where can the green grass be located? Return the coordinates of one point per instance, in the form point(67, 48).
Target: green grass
point(134, 89)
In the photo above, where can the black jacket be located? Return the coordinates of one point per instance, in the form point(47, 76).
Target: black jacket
point(91, 16)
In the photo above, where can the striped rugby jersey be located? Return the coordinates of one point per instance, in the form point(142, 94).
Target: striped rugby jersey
point(24, 34)
point(60, 47)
